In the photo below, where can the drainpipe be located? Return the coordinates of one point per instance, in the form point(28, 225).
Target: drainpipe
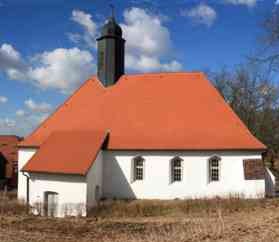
point(27, 189)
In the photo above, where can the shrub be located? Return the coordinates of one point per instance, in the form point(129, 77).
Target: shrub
point(10, 205)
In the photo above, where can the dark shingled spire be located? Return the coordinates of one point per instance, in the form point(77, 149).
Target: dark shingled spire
point(111, 47)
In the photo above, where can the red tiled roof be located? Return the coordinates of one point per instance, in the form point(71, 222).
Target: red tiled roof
point(67, 152)
point(164, 111)
point(9, 150)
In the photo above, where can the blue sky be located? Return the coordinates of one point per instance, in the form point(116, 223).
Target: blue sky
point(47, 47)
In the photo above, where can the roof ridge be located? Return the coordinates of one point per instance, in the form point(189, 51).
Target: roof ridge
point(165, 73)
point(79, 130)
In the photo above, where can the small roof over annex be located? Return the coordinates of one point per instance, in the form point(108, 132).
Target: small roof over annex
point(67, 152)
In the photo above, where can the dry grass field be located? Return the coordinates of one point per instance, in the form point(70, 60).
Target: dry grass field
point(137, 221)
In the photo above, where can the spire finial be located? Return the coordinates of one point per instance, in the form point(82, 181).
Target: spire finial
point(112, 10)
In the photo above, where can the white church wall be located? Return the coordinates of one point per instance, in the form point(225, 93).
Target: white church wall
point(71, 193)
point(112, 172)
point(195, 184)
point(24, 155)
point(94, 180)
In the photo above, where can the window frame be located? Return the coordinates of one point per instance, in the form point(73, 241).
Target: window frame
point(173, 168)
point(135, 167)
point(212, 168)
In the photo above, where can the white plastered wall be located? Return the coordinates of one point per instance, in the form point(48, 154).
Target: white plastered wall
point(75, 193)
point(24, 155)
point(71, 191)
point(117, 181)
point(94, 178)
point(111, 171)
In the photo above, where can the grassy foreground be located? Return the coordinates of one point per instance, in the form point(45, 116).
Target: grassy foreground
point(137, 221)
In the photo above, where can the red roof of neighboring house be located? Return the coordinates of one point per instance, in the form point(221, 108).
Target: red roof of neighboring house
point(9, 150)
point(67, 152)
point(164, 111)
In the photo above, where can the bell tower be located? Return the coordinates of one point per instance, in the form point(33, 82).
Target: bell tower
point(111, 51)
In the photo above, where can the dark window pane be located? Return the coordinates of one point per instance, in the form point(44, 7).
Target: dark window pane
point(176, 163)
point(139, 173)
point(214, 162)
point(177, 175)
point(139, 163)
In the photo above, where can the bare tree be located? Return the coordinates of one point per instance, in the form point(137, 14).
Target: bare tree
point(253, 96)
point(269, 51)
point(251, 91)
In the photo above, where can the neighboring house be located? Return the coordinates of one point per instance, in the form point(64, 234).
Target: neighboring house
point(8, 160)
point(141, 136)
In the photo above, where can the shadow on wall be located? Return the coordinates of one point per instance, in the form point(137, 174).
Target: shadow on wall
point(117, 185)
point(3, 162)
point(3, 178)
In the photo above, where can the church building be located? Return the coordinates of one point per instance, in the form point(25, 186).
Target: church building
point(138, 136)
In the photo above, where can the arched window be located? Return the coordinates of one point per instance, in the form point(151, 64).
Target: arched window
point(214, 168)
point(176, 169)
point(138, 168)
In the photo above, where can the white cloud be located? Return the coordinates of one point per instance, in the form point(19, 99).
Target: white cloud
point(277, 2)
point(147, 63)
point(148, 43)
point(27, 118)
point(3, 99)
point(147, 40)
point(145, 33)
point(201, 14)
point(37, 107)
point(88, 25)
point(6, 123)
point(10, 58)
point(20, 113)
point(21, 124)
point(248, 3)
point(62, 69)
